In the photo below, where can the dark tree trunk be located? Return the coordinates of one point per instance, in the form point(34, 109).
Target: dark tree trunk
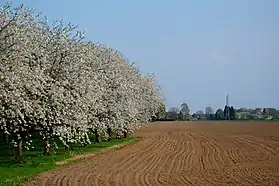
point(125, 133)
point(18, 152)
point(109, 134)
point(97, 139)
point(3, 137)
point(46, 147)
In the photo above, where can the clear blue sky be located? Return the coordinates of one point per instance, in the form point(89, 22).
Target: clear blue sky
point(199, 50)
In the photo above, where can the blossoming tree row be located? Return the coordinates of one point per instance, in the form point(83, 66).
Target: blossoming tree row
point(53, 81)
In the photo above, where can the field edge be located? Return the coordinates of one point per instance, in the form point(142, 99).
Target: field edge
point(76, 158)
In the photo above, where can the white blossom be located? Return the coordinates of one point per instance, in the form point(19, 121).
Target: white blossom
point(53, 80)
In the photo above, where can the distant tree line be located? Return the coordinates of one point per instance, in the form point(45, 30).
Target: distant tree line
point(228, 113)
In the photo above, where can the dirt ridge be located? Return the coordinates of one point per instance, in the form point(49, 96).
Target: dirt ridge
point(182, 154)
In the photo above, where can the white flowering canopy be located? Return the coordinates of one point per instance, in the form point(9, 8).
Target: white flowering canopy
point(53, 80)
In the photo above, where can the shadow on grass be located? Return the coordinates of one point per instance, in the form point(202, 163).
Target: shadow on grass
point(35, 162)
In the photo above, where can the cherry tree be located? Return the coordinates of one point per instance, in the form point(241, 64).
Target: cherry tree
point(19, 75)
point(55, 82)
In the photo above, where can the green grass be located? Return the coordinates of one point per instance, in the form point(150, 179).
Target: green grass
point(35, 162)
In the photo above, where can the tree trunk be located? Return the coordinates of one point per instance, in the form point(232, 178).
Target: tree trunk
point(125, 133)
point(96, 136)
point(46, 147)
point(109, 134)
point(18, 153)
point(3, 137)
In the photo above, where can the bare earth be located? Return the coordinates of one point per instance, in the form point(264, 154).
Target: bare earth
point(183, 153)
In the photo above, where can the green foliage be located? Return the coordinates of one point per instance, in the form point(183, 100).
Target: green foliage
point(180, 116)
point(162, 111)
point(229, 113)
point(232, 113)
point(219, 115)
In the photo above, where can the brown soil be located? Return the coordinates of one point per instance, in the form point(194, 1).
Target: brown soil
point(90, 155)
point(182, 153)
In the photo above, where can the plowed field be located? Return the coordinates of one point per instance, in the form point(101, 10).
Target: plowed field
point(183, 153)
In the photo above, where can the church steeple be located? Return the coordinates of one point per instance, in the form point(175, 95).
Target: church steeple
point(227, 100)
point(227, 108)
